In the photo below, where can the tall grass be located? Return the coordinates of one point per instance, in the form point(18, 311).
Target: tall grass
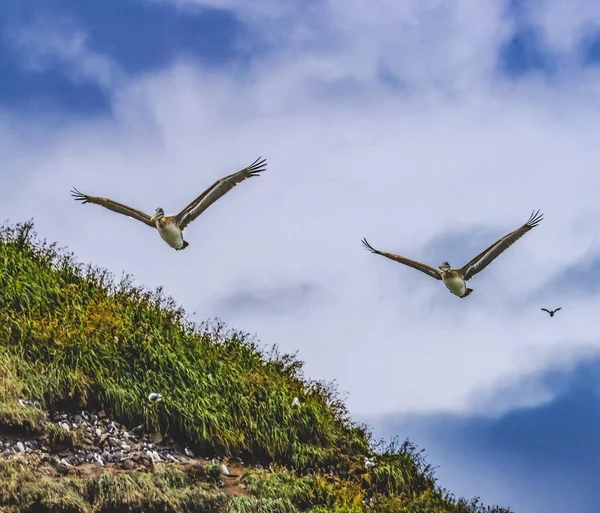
point(73, 335)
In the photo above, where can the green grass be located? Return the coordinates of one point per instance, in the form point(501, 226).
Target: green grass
point(26, 488)
point(73, 336)
point(60, 437)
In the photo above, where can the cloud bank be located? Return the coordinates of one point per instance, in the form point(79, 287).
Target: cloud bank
point(395, 123)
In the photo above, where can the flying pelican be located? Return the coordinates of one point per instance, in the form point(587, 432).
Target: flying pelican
point(455, 279)
point(171, 228)
point(552, 312)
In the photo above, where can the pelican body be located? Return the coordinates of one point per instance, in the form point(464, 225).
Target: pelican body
point(456, 279)
point(170, 228)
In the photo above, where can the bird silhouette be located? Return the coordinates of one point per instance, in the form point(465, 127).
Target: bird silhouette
point(552, 312)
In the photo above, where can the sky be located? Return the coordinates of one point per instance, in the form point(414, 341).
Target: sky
point(429, 127)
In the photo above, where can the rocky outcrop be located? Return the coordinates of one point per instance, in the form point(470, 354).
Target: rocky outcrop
point(84, 437)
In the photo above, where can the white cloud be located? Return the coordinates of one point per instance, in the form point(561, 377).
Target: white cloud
point(44, 44)
point(401, 167)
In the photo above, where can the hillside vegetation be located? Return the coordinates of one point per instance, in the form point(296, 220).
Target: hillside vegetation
point(72, 337)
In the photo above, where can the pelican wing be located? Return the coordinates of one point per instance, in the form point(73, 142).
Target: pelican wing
point(216, 191)
point(557, 309)
point(119, 208)
point(545, 310)
point(434, 273)
point(485, 258)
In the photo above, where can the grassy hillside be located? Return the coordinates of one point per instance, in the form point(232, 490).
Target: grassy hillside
point(72, 337)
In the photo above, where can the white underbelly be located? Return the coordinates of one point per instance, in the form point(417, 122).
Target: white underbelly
point(456, 285)
point(172, 235)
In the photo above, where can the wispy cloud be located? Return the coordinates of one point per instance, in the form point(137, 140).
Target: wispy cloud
point(48, 43)
point(279, 300)
point(564, 25)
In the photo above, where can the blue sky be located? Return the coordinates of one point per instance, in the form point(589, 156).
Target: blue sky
point(369, 117)
point(126, 32)
point(541, 458)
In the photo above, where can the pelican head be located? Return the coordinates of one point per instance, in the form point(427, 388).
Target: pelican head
point(445, 267)
point(159, 213)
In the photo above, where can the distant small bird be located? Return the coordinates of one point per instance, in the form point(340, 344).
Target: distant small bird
point(171, 228)
point(551, 312)
point(368, 502)
point(154, 397)
point(456, 279)
point(154, 456)
point(224, 469)
point(369, 463)
point(296, 402)
point(188, 452)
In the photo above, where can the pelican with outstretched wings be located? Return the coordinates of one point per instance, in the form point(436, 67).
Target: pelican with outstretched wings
point(455, 279)
point(171, 228)
point(551, 312)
